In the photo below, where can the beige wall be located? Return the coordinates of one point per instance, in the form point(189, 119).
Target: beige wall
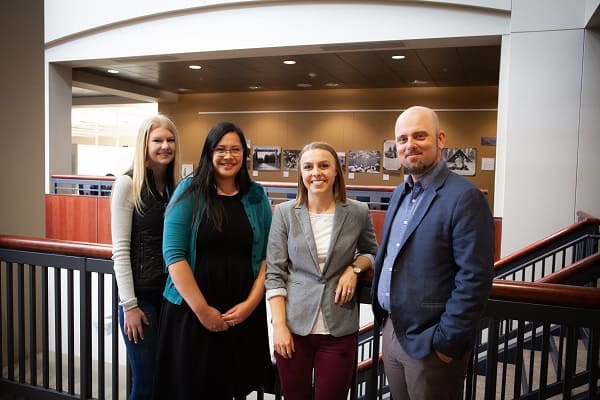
point(347, 119)
point(22, 115)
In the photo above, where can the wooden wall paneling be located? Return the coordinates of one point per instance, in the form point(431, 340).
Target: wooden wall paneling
point(71, 217)
point(465, 113)
point(378, 217)
point(104, 235)
point(497, 238)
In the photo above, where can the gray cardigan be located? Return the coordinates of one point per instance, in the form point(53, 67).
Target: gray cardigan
point(292, 264)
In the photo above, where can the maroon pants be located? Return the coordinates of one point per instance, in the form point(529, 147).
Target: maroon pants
point(331, 358)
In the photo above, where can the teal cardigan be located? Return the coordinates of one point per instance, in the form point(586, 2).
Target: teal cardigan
point(180, 231)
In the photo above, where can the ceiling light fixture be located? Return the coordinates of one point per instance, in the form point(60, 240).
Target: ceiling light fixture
point(195, 67)
point(332, 84)
point(254, 87)
point(289, 62)
point(112, 71)
point(304, 85)
point(398, 57)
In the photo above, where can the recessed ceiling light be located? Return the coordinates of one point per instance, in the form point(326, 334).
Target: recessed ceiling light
point(254, 87)
point(183, 90)
point(195, 67)
point(289, 62)
point(398, 57)
point(417, 82)
point(332, 84)
point(304, 84)
point(112, 71)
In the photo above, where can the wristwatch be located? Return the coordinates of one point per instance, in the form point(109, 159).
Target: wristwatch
point(356, 269)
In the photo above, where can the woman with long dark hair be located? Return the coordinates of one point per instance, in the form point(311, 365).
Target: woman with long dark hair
point(213, 334)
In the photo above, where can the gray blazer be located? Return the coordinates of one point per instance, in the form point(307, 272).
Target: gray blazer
point(292, 264)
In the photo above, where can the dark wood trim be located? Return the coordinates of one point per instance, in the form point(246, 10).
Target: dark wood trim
point(85, 177)
point(546, 293)
point(547, 241)
point(566, 274)
point(55, 246)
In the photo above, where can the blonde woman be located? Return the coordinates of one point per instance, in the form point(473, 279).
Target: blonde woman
point(138, 203)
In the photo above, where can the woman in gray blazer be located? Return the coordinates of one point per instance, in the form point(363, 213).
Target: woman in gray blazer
point(318, 245)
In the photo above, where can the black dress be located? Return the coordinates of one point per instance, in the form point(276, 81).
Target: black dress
point(194, 363)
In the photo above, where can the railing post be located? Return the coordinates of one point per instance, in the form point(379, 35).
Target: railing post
point(372, 387)
point(85, 329)
point(492, 360)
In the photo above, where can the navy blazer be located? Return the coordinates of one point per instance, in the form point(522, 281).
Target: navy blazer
point(443, 273)
point(292, 264)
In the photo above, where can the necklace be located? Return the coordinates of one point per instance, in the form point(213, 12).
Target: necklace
point(222, 193)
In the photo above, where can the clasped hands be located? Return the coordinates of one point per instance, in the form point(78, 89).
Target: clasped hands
point(214, 321)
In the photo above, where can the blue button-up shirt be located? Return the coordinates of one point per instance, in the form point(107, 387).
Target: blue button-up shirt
point(408, 206)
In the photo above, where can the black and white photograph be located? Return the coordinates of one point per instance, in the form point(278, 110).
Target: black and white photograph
point(266, 158)
point(248, 158)
point(368, 161)
point(488, 141)
point(290, 160)
point(463, 160)
point(391, 161)
point(342, 157)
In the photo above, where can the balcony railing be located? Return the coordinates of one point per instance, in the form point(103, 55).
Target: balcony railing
point(59, 336)
point(377, 197)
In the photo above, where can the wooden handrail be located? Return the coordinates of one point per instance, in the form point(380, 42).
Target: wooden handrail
point(565, 274)
point(366, 365)
point(545, 242)
point(546, 293)
point(285, 185)
point(550, 293)
point(40, 245)
point(85, 177)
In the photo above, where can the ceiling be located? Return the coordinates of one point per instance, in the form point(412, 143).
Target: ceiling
point(433, 67)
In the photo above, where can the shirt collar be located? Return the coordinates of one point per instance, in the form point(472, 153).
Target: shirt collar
point(428, 178)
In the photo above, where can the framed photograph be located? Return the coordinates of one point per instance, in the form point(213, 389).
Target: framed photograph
point(248, 158)
point(266, 158)
point(391, 161)
point(342, 157)
point(463, 160)
point(488, 141)
point(368, 161)
point(290, 160)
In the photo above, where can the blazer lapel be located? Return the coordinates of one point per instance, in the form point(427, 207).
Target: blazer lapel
point(428, 196)
point(341, 213)
point(391, 214)
point(420, 212)
point(304, 219)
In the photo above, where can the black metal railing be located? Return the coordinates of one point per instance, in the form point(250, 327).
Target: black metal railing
point(551, 254)
point(59, 328)
point(59, 332)
point(537, 341)
point(377, 197)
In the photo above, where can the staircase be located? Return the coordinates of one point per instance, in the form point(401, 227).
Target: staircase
point(540, 334)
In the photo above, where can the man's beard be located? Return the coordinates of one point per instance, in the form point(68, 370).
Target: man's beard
point(418, 168)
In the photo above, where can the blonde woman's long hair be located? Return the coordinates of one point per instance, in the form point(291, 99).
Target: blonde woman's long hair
point(339, 185)
point(138, 167)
